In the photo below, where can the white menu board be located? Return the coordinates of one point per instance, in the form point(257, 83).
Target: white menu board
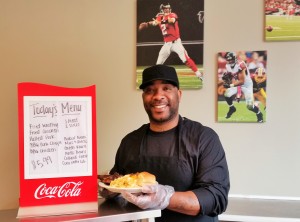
point(57, 136)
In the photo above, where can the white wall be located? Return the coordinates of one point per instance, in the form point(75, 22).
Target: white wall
point(77, 43)
point(263, 159)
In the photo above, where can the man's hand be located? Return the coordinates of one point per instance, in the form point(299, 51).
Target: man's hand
point(171, 20)
point(152, 196)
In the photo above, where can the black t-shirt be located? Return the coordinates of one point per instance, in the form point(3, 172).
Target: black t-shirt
point(161, 143)
point(199, 165)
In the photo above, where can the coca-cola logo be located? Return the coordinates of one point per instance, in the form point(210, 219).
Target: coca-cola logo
point(69, 189)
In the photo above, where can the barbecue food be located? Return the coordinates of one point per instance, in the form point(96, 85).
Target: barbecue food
point(107, 178)
point(134, 180)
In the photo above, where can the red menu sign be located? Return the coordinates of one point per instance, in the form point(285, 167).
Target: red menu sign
point(57, 148)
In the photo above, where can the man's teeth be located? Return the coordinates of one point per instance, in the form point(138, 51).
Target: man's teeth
point(161, 106)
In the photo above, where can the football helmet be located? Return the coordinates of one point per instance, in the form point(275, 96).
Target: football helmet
point(260, 71)
point(165, 6)
point(231, 58)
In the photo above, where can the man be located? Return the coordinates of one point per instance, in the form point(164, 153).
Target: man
point(237, 75)
point(168, 24)
point(259, 79)
point(186, 157)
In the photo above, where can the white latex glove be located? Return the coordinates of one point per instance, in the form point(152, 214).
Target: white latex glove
point(152, 196)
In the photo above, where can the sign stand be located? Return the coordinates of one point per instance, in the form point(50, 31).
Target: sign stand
point(57, 150)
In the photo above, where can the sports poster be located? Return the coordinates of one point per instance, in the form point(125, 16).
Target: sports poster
point(242, 86)
point(172, 34)
point(57, 150)
point(282, 20)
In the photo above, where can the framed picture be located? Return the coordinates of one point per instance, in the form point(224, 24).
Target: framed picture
point(242, 86)
point(171, 34)
point(282, 20)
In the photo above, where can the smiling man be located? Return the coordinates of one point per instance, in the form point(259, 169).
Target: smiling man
point(186, 157)
point(161, 97)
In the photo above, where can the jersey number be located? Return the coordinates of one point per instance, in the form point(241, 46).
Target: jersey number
point(163, 28)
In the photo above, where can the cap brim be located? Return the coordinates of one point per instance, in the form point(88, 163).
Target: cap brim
point(145, 84)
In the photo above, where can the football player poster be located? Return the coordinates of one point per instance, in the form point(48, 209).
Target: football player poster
point(282, 20)
point(171, 33)
point(242, 86)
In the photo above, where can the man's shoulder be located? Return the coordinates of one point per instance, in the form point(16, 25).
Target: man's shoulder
point(159, 15)
point(191, 124)
point(188, 122)
point(241, 63)
point(195, 126)
point(173, 14)
point(139, 131)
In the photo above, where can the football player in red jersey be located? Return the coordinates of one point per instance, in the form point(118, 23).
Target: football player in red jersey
point(168, 24)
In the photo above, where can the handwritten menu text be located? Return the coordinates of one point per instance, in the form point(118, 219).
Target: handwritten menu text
point(57, 136)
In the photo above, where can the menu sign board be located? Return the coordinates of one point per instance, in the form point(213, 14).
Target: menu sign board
point(57, 136)
point(57, 145)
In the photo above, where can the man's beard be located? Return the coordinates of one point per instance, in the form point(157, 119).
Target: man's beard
point(160, 120)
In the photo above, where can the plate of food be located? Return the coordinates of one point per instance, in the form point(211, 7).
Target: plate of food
point(119, 189)
point(131, 183)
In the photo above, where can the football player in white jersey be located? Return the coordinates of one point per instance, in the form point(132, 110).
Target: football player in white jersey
point(238, 74)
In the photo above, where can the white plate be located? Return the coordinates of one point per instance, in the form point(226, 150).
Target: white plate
point(120, 190)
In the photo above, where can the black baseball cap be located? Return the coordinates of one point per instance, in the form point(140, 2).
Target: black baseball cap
point(159, 72)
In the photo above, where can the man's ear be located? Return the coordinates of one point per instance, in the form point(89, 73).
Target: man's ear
point(179, 94)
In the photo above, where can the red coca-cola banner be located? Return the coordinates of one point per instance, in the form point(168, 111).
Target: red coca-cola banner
point(57, 145)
